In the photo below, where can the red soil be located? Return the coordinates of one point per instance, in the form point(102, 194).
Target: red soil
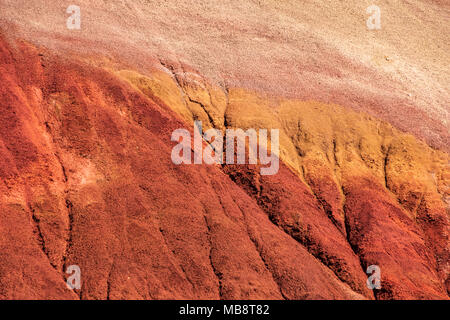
point(87, 179)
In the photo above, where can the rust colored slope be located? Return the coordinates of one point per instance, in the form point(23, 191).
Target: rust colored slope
point(382, 234)
point(314, 49)
point(378, 230)
point(334, 152)
point(87, 180)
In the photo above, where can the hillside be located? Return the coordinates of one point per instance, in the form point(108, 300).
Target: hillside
point(85, 150)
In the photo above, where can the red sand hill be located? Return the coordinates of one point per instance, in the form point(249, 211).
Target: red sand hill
point(85, 144)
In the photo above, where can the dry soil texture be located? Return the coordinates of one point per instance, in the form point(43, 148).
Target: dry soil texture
point(86, 118)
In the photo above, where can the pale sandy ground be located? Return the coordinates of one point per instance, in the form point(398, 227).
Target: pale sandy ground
point(320, 50)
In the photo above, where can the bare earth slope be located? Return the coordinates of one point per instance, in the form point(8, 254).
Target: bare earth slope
point(86, 175)
point(312, 49)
